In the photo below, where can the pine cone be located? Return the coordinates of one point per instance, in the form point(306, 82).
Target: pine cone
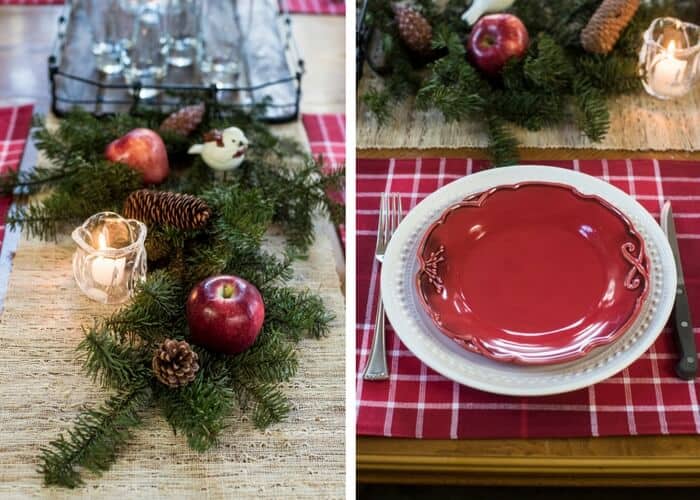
point(175, 363)
point(414, 29)
point(603, 30)
point(182, 211)
point(183, 121)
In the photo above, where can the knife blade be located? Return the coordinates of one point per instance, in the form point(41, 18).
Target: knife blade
point(687, 366)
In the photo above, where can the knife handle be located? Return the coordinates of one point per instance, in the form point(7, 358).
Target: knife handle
point(687, 367)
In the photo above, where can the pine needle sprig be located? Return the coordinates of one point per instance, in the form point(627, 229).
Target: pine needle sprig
point(110, 363)
point(547, 66)
point(296, 313)
point(95, 440)
point(266, 402)
point(271, 360)
point(592, 113)
point(155, 312)
point(200, 409)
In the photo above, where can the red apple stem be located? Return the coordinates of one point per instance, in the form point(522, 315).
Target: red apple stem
point(228, 291)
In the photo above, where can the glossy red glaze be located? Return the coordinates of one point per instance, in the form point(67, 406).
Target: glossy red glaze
point(225, 322)
point(535, 273)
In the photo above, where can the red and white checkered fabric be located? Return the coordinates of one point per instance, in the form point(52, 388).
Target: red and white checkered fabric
point(332, 7)
point(417, 402)
point(15, 122)
point(326, 134)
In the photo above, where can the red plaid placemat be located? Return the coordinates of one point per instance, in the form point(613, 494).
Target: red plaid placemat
point(326, 134)
point(15, 122)
point(416, 402)
point(332, 7)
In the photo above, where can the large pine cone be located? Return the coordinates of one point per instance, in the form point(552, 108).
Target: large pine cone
point(175, 363)
point(605, 27)
point(184, 121)
point(415, 30)
point(182, 211)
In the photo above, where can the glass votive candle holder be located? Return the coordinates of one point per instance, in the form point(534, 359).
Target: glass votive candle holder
point(668, 59)
point(111, 257)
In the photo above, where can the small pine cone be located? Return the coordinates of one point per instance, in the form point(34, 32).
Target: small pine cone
point(175, 363)
point(605, 27)
point(184, 121)
point(182, 211)
point(414, 29)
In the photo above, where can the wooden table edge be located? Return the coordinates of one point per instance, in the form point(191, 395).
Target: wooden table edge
point(527, 154)
point(419, 466)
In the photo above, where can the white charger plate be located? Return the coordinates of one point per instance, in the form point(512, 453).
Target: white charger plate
point(422, 337)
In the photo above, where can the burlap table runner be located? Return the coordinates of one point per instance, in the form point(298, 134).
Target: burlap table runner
point(42, 389)
point(638, 123)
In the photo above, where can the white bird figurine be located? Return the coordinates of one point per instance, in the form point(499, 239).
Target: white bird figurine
point(480, 7)
point(222, 150)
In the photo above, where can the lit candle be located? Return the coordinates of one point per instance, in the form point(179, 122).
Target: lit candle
point(106, 271)
point(110, 260)
point(667, 73)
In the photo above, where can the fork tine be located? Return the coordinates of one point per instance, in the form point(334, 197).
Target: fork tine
point(385, 219)
point(399, 214)
point(381, 226)
point(395, 213)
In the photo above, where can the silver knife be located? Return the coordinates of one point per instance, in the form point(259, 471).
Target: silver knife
point(687, 366)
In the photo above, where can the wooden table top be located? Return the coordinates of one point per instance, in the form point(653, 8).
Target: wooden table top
point(614, 461)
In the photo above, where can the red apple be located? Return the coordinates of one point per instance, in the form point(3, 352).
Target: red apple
point(143, 150)
point(225, 314)
point(494, 40)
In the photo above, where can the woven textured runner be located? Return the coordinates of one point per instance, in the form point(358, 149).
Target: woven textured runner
point(417, 402)
point(44, 388)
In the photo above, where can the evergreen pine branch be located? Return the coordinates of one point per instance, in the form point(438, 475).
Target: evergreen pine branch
point(296, 192)
point(527, 108)
point(296, 313)
point(547, 66)
point(156, 311)
point(266, 402)
point(592, 113)
point(94, 187)
point(503, 146)
point(199, 409)
point(272, 359)
point(111, 363)
point(378, 102)
point(95, 440)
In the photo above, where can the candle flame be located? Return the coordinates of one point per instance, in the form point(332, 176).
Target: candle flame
point(102, 241)
point(672, 47)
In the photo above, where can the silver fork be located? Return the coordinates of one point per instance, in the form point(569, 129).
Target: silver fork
point(390, 215)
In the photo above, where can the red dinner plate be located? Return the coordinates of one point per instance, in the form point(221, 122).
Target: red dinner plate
point(533, 273)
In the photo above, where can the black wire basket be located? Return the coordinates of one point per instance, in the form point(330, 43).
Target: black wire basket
point(269, 80)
